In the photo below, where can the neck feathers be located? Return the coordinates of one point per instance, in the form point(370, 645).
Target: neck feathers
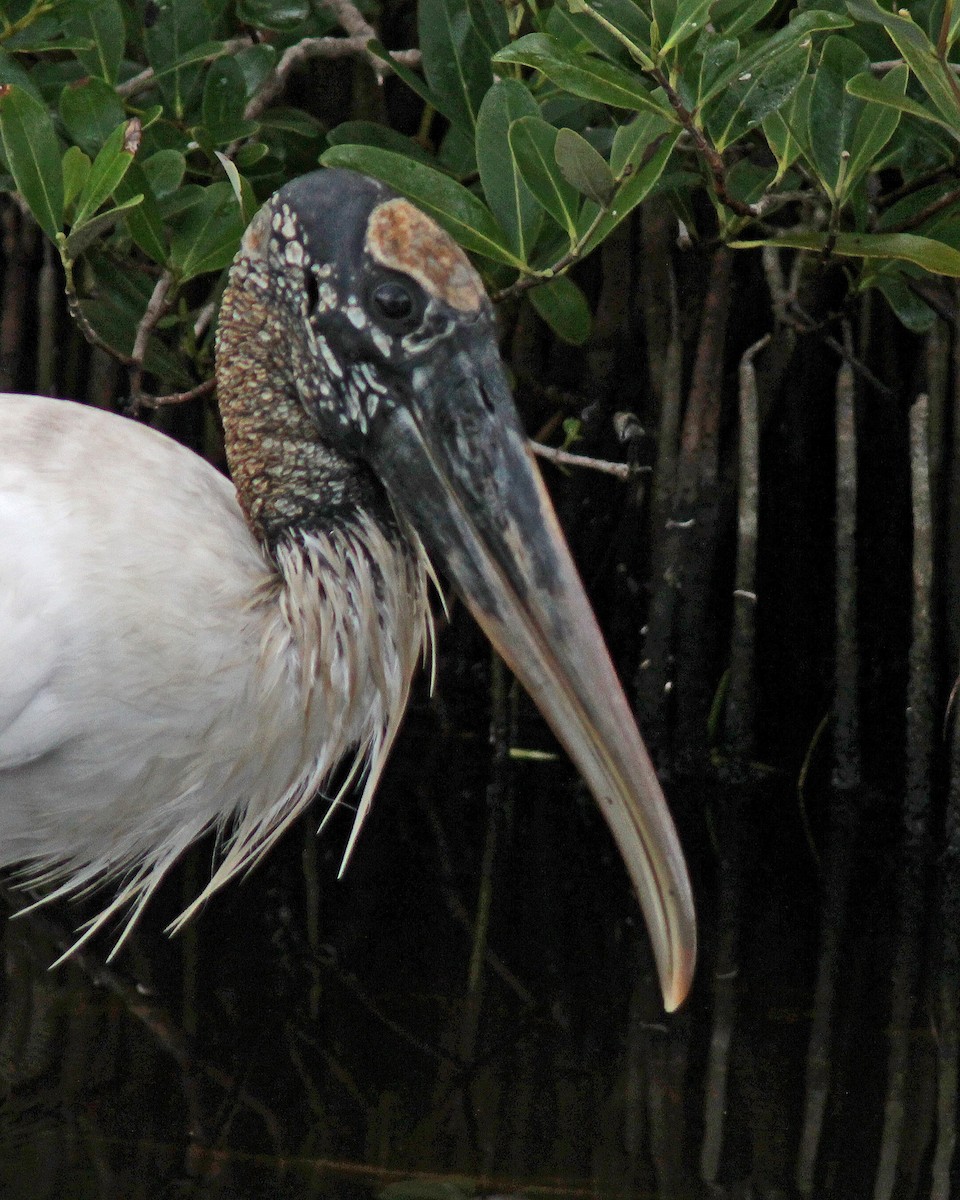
point(287, 477)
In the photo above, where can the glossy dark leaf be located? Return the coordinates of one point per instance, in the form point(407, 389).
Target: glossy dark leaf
point(90, 110)
point(459, 211)
point(508, 196)
point(583, 74)
point(205, 236)
point(273, 14)
point(32, 153)
point(582, 167)
point(224, 99)
point(103, 25)
point(565, 309)
point(143, 221)
point(108, 170)
point(533, 143)
point(178, 27)
point(456, 59)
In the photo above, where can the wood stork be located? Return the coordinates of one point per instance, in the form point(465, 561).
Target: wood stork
point(180, 654)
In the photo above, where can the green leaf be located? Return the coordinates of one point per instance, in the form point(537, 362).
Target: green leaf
point(456, 61)
point(718, 58)
point(786, 130)
point(368, 133)
point(906, 304)
point(919, 53)
point(583, 168)
point(32, 153)
point(164, 171)
point(933, 256)
point(578, 31)
point(565, 309)
point(143, 221)
point(102, 23)
point(76, 170)
point(291, 120)
point(765, 51)
point(90, 110)
point(581, 74)
point(273, 14)
point(256, 63)
point(877, 124)
point(179, 28)
point(508, 196)
point(224, 99)
point(109, 168)
point(12, 72)
point(490, 21)
point(415, 83)
point(833, 112)
point(755, 94)
point(533, 144)
point(633, 142)
point(679, 20)
point(205, 236)
point(733, 17)
point(459, 211)
point(867, 87)
point(648, 160)
point(81, 236)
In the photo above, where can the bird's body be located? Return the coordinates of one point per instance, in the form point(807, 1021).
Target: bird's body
point(180, 654)
point(163, 675)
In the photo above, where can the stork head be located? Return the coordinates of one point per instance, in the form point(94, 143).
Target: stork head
point(389, 343)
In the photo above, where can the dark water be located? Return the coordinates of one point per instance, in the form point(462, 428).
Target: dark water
point(308, 1037)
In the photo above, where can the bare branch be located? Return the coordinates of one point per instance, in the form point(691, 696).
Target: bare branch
point(563, 458)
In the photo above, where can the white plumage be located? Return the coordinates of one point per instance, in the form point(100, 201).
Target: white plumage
point(232, 708)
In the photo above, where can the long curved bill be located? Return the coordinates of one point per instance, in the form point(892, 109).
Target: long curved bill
point(456, 463)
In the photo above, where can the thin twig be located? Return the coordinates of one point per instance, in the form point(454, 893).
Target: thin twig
point(563, 458)
point(359, 34)
point(144, 79)
point(155, 309)
point(173, 398)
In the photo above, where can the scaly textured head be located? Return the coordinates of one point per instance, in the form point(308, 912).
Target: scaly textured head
point(358, 372)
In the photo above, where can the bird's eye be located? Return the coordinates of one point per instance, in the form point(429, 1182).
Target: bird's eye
point(393, 301)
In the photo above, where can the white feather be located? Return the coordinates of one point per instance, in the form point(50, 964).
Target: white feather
point(159, 675)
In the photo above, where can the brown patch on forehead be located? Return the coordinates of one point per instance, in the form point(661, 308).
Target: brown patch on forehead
point(400, 237)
